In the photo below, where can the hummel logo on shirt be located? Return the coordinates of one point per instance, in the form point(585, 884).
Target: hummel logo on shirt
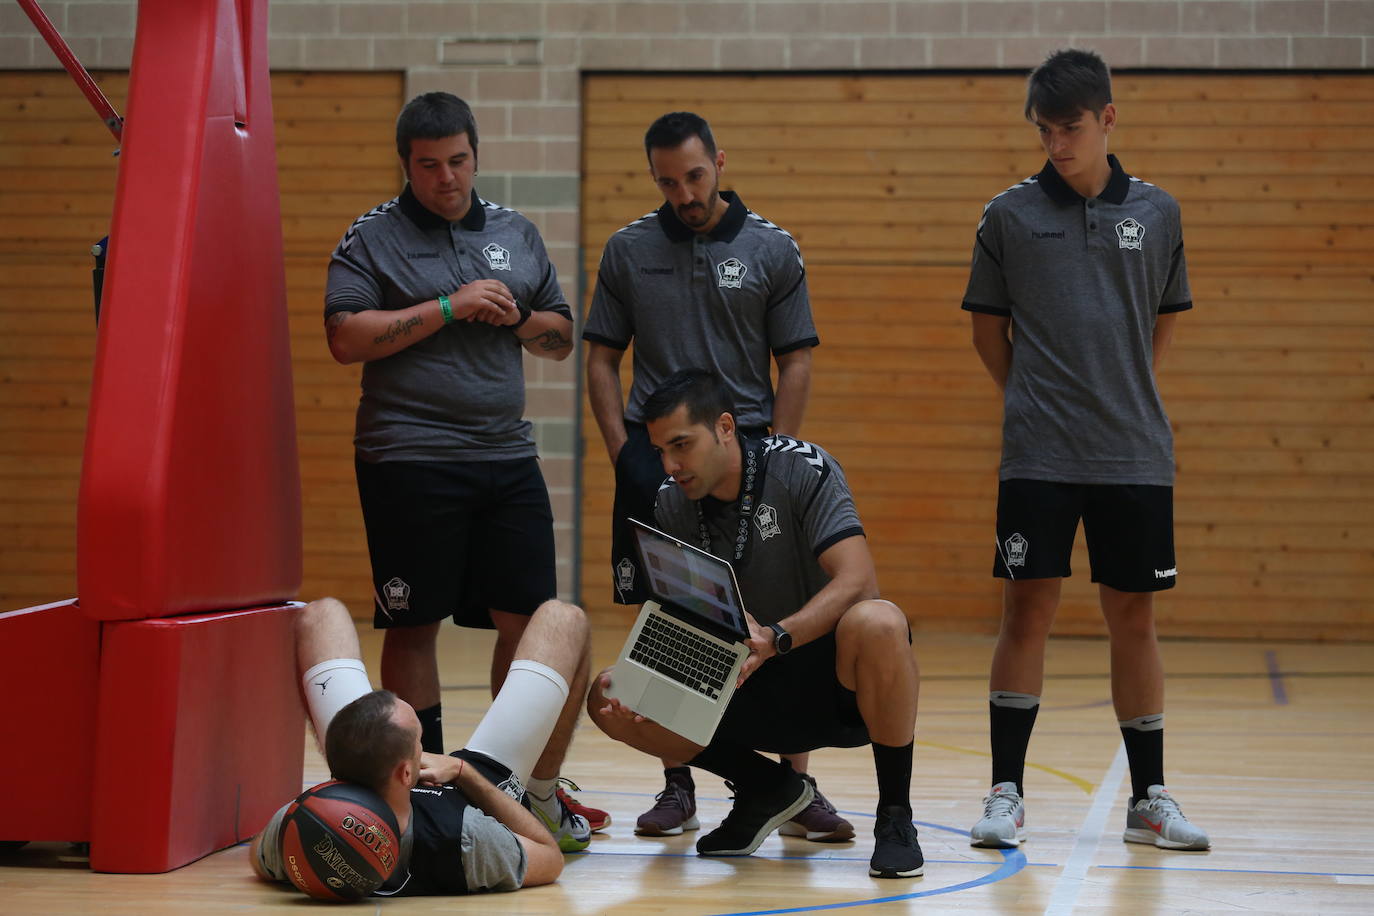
point(419, 255)
point(1169, 573)
point(657, 271)
point(1047, 235)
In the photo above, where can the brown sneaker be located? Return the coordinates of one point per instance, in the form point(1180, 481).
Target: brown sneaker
point(818, 821)
point(674, 810)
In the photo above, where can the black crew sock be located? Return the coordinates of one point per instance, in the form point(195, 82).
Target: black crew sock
point(1011, 718)
point(740, 765)
point(893, 767)
point(1144, 737)
point(432, 728)
point(684, 773)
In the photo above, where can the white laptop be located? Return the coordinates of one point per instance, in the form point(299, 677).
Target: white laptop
point(682, 658)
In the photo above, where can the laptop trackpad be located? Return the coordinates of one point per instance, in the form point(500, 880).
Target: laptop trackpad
point(661, 700)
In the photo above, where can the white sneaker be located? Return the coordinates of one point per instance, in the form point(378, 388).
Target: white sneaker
point(1004, 819)
point(1158, 820)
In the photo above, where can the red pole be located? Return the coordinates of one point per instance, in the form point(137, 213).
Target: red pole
point(73, 66)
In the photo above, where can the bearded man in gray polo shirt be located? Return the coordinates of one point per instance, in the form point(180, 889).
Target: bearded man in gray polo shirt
point(440, 294)
point(702, 281)
point(1085, 265)
point(830, 662)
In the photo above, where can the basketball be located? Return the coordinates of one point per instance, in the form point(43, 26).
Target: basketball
point(339, 841)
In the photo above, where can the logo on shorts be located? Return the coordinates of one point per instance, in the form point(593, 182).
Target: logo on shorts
point(731, 273)
point(1169, 573)
point(1130, 234)
point(397, 595)
point(1016, 548)
point(497, 257)
point(512, 786)
point(625, 575)
point(767, 519)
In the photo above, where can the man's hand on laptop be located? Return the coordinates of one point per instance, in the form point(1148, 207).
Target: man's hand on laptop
point(616, 708)
point(761, 648)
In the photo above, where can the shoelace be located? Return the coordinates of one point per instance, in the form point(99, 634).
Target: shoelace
point(572, 787)
point(898, 830)
point(1165, 807)
point(671, 797)
point(999, 805)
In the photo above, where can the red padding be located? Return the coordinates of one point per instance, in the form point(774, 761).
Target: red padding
point(200, 738)
point(190, 490)
point(50, 656)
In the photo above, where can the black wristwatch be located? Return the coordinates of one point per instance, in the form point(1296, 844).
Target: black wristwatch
point(525, 313)
point(782, 640)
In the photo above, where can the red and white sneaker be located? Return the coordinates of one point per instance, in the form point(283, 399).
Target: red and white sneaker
point(1158, 820)
point(596, 818)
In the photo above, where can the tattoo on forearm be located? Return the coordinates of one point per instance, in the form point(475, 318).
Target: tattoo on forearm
point(548, 340)
point(336, 320)
point(398, 329)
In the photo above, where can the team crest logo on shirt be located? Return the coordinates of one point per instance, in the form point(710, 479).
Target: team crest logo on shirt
point(512, 786)
point(1016, 548)
point(625, 575)
point(1130, 234)
point(731, 273)
point(397, 594)
point(767, 519)
point(497, 257)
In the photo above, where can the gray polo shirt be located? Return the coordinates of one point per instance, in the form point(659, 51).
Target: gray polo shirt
point(459, 394)
point(804, 507)
point(721, 301)
point(1083, 281)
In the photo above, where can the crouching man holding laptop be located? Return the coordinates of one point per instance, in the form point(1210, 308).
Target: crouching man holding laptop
point(828, 662)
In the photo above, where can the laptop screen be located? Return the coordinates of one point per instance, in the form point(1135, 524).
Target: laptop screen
point(691, 579)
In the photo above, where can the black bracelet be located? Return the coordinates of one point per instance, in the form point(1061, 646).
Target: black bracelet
point(525, 313)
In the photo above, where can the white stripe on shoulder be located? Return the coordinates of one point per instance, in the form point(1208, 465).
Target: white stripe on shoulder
point(772, 225)
point(1140, 181)
point(780, 443)
point(488, 205)
point(1020, 184)
point(647, 216)
point(347, 241)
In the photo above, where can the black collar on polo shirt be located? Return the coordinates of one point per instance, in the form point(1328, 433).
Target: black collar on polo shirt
point(729, 226)
point(475, 220)
point(1059, 191)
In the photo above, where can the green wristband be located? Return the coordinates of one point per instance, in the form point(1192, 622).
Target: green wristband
point(446, 309)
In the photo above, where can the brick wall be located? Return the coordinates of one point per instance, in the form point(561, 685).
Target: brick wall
point(518, 62)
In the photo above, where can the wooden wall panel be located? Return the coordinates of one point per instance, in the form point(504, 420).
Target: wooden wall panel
point(336, 159)
point(1270, 385)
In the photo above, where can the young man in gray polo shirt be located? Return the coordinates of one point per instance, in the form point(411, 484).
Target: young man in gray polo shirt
point(830, 663)
point(1078, 275)
point(440, 294)
point(702, 281)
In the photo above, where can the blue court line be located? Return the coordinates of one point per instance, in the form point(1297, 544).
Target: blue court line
point(1271, 661)
point(1249, 871)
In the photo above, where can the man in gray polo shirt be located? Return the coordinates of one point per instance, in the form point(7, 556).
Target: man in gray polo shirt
point(1085, 264)
point(702, 281)
point(440, 294)
point(830, 663)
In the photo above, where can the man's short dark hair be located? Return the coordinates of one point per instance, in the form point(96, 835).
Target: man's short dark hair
point(1067, 83)
point(703, 392)
point(363, 742)
point(676, 128)
point(434, 116)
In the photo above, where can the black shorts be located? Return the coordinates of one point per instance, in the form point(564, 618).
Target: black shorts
point(638, 475)
point(794, 703)
point(1129, 529)
point(450, 538)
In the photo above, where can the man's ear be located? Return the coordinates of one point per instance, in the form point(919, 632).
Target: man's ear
point(725, 426)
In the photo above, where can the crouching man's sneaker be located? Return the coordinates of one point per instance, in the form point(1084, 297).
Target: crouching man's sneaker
point(674, 810)
point(896, 851)
point(595, 817)
point(1157, 819)
point(818, 822)
point(1003, 823)
point(758, 811)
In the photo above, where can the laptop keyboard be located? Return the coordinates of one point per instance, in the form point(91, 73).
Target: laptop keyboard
point(683, 655)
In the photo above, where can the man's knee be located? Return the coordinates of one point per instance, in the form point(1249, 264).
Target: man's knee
point(874, 623)
point(564, 617)
point(321, 614)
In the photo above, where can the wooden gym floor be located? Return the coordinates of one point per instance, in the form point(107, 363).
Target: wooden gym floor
point(1269, 748)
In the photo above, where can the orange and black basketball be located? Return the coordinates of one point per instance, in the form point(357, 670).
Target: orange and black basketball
point(339, 841)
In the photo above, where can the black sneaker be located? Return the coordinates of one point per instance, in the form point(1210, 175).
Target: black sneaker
point(757, 812)
point(896, 852)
